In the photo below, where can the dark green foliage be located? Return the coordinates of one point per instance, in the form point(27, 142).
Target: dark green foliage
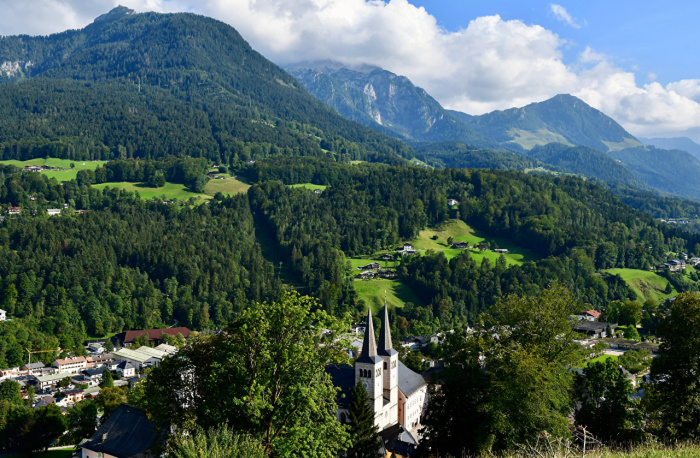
point(25, 430)
point(218, 442)
point(585, 161)
point(10, 392)
point(107, 379)
point(361, 422)
point(461, 155)
point(606, 410)
point(81, 422)
point(635, 360)
point(673, 399)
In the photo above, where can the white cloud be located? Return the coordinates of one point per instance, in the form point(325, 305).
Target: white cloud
point(563, 15)
point(490, 64)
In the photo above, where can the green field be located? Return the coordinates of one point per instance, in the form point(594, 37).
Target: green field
point(62, 175)
point(461, 232)
point(646, 284)
point(227, 186)
point(309, 186)
point(397, 294)
point(169, 191)
point(599, 359)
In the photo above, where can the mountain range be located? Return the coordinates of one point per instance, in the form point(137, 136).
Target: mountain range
point(561, 134)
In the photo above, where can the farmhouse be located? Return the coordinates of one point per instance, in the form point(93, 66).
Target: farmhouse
point(461, 245)
point(501, 250)
point(371, 265)
point(590, 315)
point(13, 210)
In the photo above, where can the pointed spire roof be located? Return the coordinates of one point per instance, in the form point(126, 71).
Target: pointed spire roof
point(385, 347)
point(369, 345)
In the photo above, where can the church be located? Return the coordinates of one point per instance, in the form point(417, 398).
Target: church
point(397, 394)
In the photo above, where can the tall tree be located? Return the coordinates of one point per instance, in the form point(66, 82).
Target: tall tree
point(221, 442)
point(107, 379)
point(10, 391)
point(674, 398)
point(264, 375)
point(361, 421)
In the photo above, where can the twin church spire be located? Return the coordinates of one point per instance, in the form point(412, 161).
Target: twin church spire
point(369, 347)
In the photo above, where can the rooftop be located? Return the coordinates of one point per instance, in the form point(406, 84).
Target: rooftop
point(409, 381)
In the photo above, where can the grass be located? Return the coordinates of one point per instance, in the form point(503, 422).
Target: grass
point(227, 186)
point(62, 175)
point(309, 186)
point(646, 284)
point(461, 232)
point(169, 191)
point(397, 294)
point(597, 359)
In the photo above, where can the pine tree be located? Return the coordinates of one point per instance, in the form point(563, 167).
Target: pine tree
point(362, 428)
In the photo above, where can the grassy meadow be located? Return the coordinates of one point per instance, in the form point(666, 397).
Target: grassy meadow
point(227, 186)
point(61, 175)
point(397, 294)
point(169, 190)
point(647, 284)
point(309, 186)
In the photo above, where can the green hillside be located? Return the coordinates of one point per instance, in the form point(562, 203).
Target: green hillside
point(646, 284)
point(397, 293)
point(66, 174)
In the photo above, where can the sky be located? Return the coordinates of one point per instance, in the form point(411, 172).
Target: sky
point(633, 60)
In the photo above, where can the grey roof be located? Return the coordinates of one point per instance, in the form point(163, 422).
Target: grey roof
point(343, 376)
point(125, 365)
point(126, 433)
point(31, 366)
point(369, 345)
point(385, 348)
point(409, 381)
point(93, 372)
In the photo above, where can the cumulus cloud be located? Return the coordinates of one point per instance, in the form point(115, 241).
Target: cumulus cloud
point(563, 15)
point(488, 65)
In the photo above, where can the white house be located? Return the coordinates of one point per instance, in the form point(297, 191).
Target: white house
point(53, 211)
point(3, 315)
point(126, 369)
point(71, 365)
point(452, 202)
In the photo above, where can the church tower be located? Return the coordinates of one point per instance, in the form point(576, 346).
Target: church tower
point(390, 360)
point(368, 371)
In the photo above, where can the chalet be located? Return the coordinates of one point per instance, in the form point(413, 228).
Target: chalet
point(694, 261)
point(126, 433)
point(684, 256)
point(594, 329)
point(126, 339)
point(3, 315)
point(501, 250)
point(674, 265)
point(452, 202)
point(386, 273)
point(371, 265)
point(53, 211)
point(367, 274)
point(415, 342)
point(32, 168)
point(461, 245)
point(70, 397)
point(317, 191)
point(407, 249)
point(590, 315)
point(13, 210)
point(387, 257)
point(71, 365)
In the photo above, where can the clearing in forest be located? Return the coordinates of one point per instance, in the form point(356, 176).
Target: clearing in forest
point(397, 294)
point(60, 175)
point(647, 284)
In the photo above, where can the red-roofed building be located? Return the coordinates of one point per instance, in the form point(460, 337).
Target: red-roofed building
point(591, 315)
point(125, 339)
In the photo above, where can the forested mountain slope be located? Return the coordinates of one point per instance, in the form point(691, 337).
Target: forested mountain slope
point(144, 85)
point(681, 143)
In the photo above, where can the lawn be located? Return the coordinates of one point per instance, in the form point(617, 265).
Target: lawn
point(309, 186)
point(226, 186)
point(597, 359)
point(646, 284)
point(169, 191)
point(397, 294)
point(461, 232)
point(63, 175)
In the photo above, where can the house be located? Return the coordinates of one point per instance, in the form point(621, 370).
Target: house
point(684, 256)
point(694, 261)
point(590, 315)
point(371, 265)
point(501, 250)
point(53, 211)
point(71, 365)
point(126, 369)
point(94, 376)
point(99, 360)
point(367, 274)
point(594, 329)
point(674, 265)
point(317, 191)
point(70, 397)
point(13, 210)
point(414, 342)
point(407, 249)
point(387, 273)
point(126, 433)
point(126, 339)
point(65, 205)
point(3, 315)
point(461, 245)
point(386, 257)
point(452, 202)
point(47, 381)
point(32, 168)
point(32, 369)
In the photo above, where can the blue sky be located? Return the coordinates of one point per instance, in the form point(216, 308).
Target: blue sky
point(647, 37)
point(633, 60)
